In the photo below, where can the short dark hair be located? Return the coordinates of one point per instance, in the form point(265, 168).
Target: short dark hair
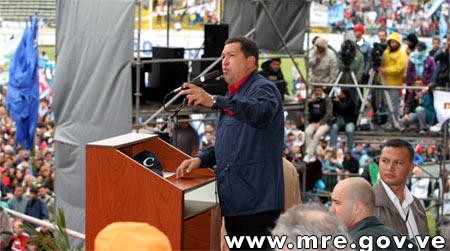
point(275, 59)
point(34, 190)
point(400, 143)
point(248, 46)
point(436, 38)
point(421, 78)
point(382, 30)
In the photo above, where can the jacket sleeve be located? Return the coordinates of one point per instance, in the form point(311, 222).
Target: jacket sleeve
point(410, 73)
point(367, 58)
point(334, 71)
point(329, 115)
point(208, 157)
point(399, 66)
point(359, 58)
point(409, 104)
point(257, 108)
point(44, 210)
point(430, 65)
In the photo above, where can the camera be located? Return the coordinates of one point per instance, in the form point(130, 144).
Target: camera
point(377, 53)
point(347, 53)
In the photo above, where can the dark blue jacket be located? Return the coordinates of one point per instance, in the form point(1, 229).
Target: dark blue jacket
point(37, 209)
point(248, 149)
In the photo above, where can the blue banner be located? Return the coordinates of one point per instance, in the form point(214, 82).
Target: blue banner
point(442, 27)
point(22, 96)
point(434, 6)
point(336, 13)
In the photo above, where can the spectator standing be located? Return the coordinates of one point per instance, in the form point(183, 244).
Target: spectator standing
point(393, 68)
point(382, 36)
point(363, 45)
point(394, 203)
point(185, 137)
point(420, 64)
point(442, 60)
point(436, 44)
point(411, 42)
point(354, 203)
point(322, 63)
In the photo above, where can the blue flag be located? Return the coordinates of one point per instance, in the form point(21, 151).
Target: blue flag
point(336, 13)
point(22, 96)
point(442, 27)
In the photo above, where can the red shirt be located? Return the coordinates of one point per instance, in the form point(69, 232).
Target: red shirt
point(20, 242)
point(234, 89)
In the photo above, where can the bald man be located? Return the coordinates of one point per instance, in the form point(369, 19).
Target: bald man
point(354, 203)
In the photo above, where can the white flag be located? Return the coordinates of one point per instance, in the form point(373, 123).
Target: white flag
point(442, 105)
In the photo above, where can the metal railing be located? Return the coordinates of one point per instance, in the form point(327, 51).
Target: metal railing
point(49, 225)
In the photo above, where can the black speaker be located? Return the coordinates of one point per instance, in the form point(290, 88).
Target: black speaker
point(215, 37)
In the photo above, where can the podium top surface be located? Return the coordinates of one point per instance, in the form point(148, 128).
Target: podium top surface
point(122, 140)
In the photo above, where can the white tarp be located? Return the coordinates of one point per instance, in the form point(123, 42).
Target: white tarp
point(318, 15)
point(92, 90)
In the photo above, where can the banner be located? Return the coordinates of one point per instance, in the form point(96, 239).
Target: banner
point(442, 105)
point(443, 28)
point(318, 15)
point(336, 13)
point(434, 6)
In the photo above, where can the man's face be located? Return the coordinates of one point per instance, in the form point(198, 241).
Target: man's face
point(18, 192)
point(42, 192)
point(409, 43)
point(358, 34)
point(320, 49)
point(395, 166)
point(436, 44)
point(382, 36)
point(342, 206)
point(33, 196)
point(275, 65)
point(17, 229)
point(235, 65)
point(394, 44)
point(318, 91)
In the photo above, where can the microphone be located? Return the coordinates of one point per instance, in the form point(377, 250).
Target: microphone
point(202, 79)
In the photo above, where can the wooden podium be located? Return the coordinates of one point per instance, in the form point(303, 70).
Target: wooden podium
point(120, 189)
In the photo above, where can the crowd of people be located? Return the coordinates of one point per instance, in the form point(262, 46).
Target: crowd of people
point(396, 16)
point(26, 176)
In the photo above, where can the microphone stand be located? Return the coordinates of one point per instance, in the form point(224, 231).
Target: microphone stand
point(178, 94)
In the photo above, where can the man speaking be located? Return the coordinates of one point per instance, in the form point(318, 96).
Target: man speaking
point(249, 143)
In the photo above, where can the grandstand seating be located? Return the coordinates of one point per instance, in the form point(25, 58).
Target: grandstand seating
point(21, 10)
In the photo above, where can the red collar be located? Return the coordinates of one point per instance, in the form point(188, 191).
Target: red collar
point(354, 224)
point(235, 88)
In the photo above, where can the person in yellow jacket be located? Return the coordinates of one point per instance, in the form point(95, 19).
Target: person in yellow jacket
point(393, 68)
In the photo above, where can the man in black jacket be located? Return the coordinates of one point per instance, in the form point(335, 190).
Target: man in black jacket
point(345, 116)
point(354, 203)
point(271, 69)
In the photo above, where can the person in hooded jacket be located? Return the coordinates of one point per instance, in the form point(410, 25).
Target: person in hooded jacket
point(393, 69)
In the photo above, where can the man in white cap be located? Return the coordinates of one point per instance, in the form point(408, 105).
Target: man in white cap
point(322, 64)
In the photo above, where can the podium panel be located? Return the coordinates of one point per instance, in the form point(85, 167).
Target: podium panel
point(120, 189)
